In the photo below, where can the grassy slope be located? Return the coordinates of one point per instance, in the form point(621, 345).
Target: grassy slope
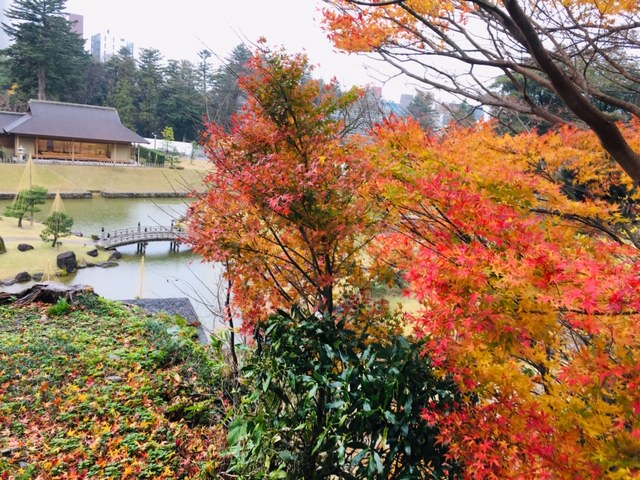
point(105, 391)
point(78, 178)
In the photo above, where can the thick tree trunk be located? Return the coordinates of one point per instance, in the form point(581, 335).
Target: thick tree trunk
point(610, 136)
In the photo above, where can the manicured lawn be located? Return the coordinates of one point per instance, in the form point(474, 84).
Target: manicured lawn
point(79, 178)
point(43, 255)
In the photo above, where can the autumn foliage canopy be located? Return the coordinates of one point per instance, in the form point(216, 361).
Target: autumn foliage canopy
point(286, 204)
point(529, 299)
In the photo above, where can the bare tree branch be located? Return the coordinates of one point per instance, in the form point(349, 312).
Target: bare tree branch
point(576, 51)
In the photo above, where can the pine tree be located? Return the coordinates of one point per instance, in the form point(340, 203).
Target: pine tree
point(150, 82)
point(47, 59)
point(26, 203)
point(422, 109)
point(122, 74)
point(180, 101)
point(57, 225)
point(227, 97)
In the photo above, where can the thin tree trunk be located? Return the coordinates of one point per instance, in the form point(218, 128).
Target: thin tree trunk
point(232, 334)
point(42, 84)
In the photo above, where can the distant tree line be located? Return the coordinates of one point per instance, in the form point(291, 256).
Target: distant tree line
point(150, 93)
point(47, 61)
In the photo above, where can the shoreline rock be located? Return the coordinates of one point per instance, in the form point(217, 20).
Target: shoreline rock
point(22, 277)
point(67, 261)
point(107, 264)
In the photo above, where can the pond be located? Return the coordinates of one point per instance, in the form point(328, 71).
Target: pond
point(164, 274)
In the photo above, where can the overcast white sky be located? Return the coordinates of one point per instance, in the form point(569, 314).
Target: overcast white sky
point(181, 28)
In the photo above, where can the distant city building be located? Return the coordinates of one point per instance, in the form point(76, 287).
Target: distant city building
point(4, 6)
point(393, 108)
point(442, 114)
point(106, 45)
point(446, 113)
point(385, 108)
point(374, 90)
point(77, 23)
point(405, 100)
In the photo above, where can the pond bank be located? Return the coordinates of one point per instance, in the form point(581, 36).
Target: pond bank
point(64, 195)
point(85, 195)
point(165, 274)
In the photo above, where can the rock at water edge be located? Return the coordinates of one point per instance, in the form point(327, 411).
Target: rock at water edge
point(67, 261)
point(23, 277)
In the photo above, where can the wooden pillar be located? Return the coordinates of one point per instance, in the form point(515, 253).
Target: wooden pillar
point(141, 247)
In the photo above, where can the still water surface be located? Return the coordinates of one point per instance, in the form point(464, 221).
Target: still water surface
point(164, 275)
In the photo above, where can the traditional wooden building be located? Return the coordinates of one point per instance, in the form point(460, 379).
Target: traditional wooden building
point(68, 131)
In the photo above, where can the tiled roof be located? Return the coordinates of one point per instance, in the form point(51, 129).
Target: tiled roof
point(7, 118)
point(70, 120)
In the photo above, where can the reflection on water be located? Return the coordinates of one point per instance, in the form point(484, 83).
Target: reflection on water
point(165, 275)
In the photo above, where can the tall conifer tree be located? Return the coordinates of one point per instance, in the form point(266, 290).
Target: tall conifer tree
point(47, 58)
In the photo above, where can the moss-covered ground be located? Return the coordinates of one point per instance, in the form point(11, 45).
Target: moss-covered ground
point(98, 389)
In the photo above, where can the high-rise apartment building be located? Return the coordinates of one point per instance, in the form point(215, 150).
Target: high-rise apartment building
point(77, 24)
point(106, 45)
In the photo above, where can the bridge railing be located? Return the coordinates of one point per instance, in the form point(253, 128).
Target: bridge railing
point(140, 229)
point(141, 234)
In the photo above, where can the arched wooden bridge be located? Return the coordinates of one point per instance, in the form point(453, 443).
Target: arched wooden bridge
point(141, 236)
